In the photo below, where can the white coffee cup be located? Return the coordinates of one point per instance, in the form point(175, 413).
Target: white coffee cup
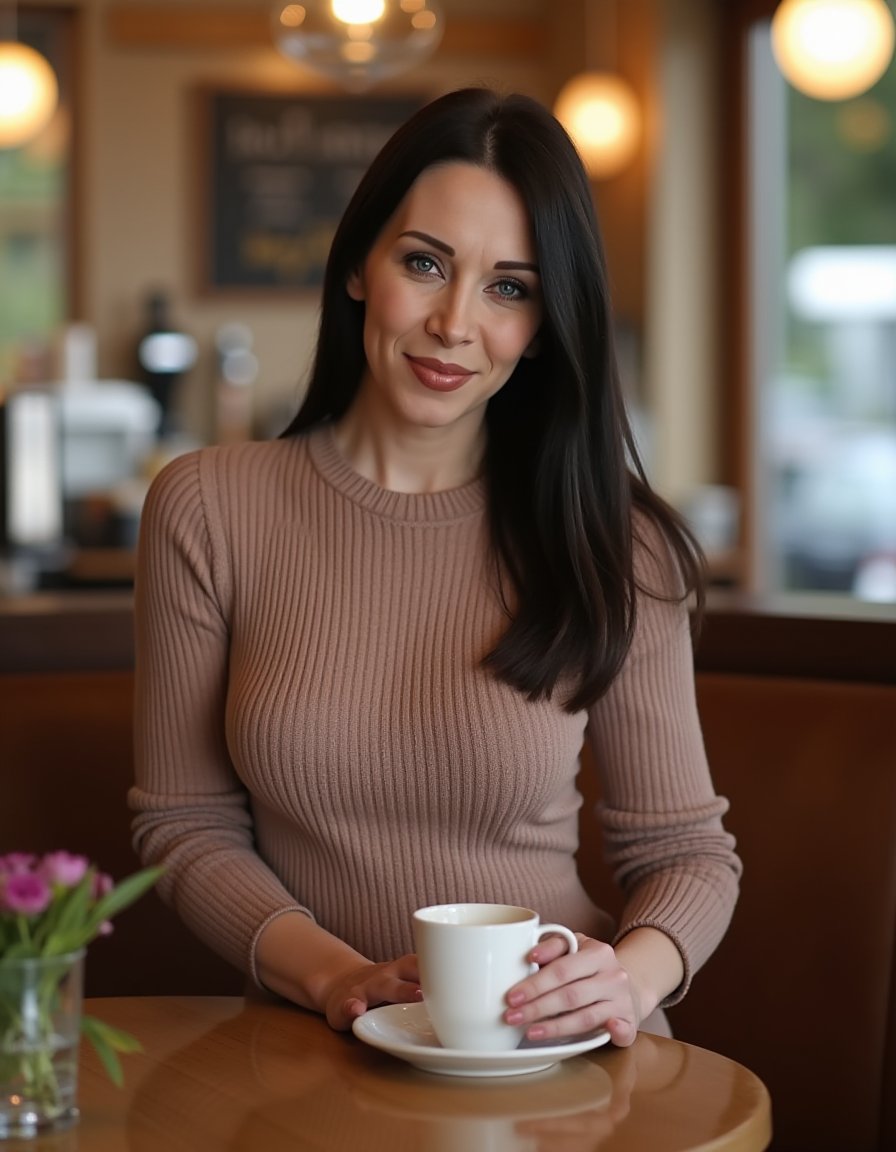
point(470, 956)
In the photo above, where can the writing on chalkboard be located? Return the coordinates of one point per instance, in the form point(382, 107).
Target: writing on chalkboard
point(283, 169)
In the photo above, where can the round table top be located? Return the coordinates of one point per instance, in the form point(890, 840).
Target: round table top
point(227, 1073)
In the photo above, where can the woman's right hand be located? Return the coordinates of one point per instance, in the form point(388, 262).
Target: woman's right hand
point(353, 992)
point(297, 959)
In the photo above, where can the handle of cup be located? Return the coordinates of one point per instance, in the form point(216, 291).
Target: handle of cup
point(559, 930)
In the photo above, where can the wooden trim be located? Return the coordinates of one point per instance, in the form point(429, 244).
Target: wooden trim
point(498, 39)
point(734, 273)
point(804, 637)
point(181, 26)
point(732, 253)
point(811, 637)
point(735, 359)
point(67, 632)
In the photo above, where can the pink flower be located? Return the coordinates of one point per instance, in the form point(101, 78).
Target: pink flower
point(63, 868)
point(24, 893)
point(102, 885)
point(15, 862)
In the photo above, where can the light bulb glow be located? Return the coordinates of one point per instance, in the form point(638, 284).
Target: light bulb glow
point(28, 94)
point(292, 16)
point(358, 11)
point(601, 114)
point(833, 49)
point(358, 43)
point(598, 124)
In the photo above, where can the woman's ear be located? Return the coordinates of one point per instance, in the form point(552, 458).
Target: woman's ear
point(355, 285)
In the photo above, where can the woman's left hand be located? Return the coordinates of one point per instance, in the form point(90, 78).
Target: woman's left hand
point(575, 994)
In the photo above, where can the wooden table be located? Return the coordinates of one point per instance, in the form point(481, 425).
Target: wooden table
point(226, 1073)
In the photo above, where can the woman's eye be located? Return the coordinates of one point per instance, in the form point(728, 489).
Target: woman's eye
point(511, 290)
point(420, 262)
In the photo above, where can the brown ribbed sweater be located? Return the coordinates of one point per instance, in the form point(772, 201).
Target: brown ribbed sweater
point(314, 728)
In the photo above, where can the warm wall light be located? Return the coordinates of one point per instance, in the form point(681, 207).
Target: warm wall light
point(28, 93)
point(358, 11)
point(832, 49)
point(358, 43)
point(601, 113)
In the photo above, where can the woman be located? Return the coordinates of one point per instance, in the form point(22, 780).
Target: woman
point(369, 651)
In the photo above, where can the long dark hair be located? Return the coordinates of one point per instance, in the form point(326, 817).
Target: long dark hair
point(562, 468)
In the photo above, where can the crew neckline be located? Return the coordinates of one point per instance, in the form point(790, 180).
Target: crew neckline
point(411, 507)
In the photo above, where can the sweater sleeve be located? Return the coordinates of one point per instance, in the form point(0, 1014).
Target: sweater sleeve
point(661, 818)
point(192, 813)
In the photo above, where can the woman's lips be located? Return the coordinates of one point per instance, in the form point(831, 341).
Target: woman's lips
point(437, 375)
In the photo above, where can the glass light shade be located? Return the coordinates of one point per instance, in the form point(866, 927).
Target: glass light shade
point(832, 49)
point(28, 93)
point(601, 114)
point(358, 43)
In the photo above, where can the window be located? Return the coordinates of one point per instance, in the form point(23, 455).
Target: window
point(35, 209)
point(821, 265)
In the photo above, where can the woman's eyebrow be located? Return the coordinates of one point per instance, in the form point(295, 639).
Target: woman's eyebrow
point(517, 265)
point(427, 239)
point(501, 265)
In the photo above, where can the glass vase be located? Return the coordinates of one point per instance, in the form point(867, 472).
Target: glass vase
point(40, 1025)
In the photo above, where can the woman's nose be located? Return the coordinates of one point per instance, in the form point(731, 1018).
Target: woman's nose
point(451, 318)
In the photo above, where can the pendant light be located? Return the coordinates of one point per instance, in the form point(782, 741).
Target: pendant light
point(832, 49)
point(28, 88)
point(358, 43)
point(601, 112)
point(28, 93)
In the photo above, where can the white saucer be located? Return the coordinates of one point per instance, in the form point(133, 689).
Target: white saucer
point(404, 1030)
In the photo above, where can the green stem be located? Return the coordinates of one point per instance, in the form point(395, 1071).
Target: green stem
point(24, 930)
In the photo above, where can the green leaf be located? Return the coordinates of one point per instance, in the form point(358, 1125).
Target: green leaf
point(108, 1041)
point(75, 906)
point(123, 894)
point(19, 950)
point(66, 928)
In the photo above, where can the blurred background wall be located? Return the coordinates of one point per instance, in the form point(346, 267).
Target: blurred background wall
point(138, 157)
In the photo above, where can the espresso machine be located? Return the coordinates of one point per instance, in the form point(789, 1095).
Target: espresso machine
point(72, 456)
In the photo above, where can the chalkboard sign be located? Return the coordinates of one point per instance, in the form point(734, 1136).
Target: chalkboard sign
point(281, 171)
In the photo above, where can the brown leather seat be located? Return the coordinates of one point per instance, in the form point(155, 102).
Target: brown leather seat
point(801, 990)
point(66, 742)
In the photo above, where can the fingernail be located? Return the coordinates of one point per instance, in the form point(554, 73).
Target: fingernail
point(514, 1017)
point(419, 993)
point(515, 998)
point(535, 1033)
